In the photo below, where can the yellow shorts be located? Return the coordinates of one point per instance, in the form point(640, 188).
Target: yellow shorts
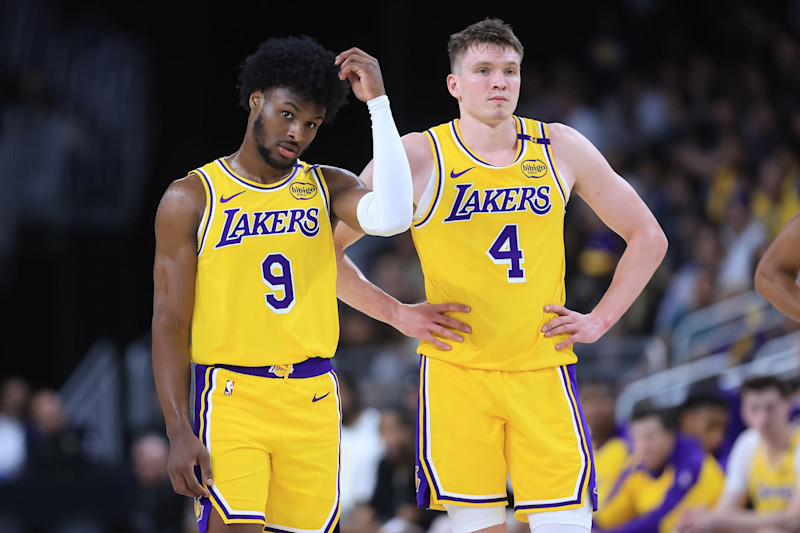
point(478, 428)
point(274, 442)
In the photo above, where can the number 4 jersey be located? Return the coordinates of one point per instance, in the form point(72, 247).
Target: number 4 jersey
point(265, 290)
point(493, 238)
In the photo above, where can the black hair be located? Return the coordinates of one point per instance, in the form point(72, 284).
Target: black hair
point(703, 398)
point(645, 409)
point(762, 383)
point(298, 63)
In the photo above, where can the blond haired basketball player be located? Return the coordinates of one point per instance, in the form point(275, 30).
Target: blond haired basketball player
point(245, 288)
point(490, 192)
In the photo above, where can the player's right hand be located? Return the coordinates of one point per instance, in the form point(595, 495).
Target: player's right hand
point(185, 453)
point(429, 321)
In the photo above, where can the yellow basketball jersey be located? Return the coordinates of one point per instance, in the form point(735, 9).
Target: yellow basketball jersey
point(772, 483)
point(265, 290)
point(493, 238)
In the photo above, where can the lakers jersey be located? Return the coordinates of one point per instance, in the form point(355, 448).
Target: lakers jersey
point(265, 290)
point(772, 482)
point(493, 238)
point(654, 501)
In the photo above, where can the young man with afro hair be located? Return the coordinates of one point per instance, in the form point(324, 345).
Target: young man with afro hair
point(245, 305)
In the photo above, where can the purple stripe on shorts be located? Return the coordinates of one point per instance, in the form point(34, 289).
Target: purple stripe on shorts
point(424, 490)
point(569, 380)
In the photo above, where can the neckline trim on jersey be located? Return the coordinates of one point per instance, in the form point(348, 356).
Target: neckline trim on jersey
point(521, 146)
point(254, 185)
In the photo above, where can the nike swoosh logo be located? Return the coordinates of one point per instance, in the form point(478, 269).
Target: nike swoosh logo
point(454, 174)
point(321, 397)
point(222, 199)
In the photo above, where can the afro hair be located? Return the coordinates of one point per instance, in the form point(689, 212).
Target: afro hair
point(297, 63)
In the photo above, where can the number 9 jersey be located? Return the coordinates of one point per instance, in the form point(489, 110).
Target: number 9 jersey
point(265, 290)
point(493, 238)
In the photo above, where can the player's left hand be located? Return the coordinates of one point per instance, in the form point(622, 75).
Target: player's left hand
point(363, 73)
point(583, 328)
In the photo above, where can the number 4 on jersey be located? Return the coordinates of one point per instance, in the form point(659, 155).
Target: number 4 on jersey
point(505, 251)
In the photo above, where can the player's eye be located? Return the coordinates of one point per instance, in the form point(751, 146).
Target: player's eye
point(286, 114)
point(311, 125)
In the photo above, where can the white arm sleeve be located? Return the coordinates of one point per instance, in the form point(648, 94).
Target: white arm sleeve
point(387, 209)
point(739, 462)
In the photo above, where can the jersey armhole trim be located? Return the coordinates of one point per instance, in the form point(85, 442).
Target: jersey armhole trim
point(551, 161)
point(208, 212)
point(438, 174)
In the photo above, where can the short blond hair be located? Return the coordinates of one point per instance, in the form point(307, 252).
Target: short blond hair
point(488, 31)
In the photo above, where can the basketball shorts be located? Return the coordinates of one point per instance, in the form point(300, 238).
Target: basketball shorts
point(273, 434)
point(478, 429)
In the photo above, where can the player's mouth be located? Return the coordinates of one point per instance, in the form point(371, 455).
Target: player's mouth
point(288, 151)
point(498, 99)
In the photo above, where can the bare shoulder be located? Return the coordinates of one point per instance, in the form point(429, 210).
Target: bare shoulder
point(564, 136)
point(417, 144)
point(184, 197)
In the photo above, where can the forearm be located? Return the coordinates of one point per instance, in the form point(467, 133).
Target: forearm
point(171, 371)
point(387, 209)
point(354, 289)
point(644, 252)
point(780, 288)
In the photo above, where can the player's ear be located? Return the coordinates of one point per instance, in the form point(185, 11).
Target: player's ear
point(256, 99)
point(452, 86)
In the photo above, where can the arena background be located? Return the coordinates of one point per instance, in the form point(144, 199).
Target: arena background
point(102, 104)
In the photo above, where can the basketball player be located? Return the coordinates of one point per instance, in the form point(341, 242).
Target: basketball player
point(490, 190)
point(763, 468)
point(776, 274)
point(245, 288)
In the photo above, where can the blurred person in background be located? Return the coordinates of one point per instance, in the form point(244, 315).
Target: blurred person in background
point(152, 504)
point(778, 268)
point(394, 499)
point(609, 439)
point(706, 414)
point(667, 474)
point(362, 447)
point(15, 393)
point(761, 487)
point(55, 447)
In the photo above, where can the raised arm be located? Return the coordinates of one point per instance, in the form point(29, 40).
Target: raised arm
point(385, 208)
point(621, 209)
point(174, 269)
point(776, 274)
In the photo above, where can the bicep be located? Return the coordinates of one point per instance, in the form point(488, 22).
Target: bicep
point(346, 191)
point(175, 262)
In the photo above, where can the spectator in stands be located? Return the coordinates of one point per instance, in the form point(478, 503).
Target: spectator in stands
point(611, 448)
point(667, 474)
point(705, 415)
point(362, 448)
point(393, 507)
point(55, 447)
point(763, 469)
point(153, 505)
point(14, 396)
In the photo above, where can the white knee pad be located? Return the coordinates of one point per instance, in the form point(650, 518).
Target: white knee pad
point(577, 520)
point(469, 519)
